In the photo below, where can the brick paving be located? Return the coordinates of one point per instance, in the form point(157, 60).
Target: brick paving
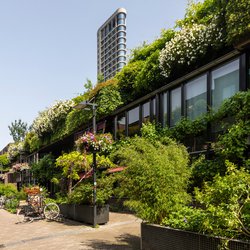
point(122, 232)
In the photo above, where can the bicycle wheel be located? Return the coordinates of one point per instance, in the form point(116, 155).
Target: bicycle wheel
point(51, 211)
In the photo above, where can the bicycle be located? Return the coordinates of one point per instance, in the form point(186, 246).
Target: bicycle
point(36, 209)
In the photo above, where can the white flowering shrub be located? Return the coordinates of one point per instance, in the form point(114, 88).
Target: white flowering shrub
point(14, 150)
point(48, 120)
point(188, 45)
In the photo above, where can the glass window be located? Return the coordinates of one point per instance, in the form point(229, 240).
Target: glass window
point(121, 46)
point(196, 97)
point(121, 34)
point(146, 112)
point(165, 109)
point(121, 21)
point(121, 27)
point(121, 58)
point(133, 121)
point(121, 53)
point(153, 103)
point(121, 15)
point(175, 102)
point(225, 83)
point(121, 126)
point(248, 72)
point(121, 40)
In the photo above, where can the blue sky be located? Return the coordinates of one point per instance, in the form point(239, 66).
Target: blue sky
point(48, 48)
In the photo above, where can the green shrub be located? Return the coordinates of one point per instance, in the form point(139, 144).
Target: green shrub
point(8, 190)
point(83, 193)
point(11, 205)
point(238, 26)
point(44, 170)
point(156, 177)
point(12, 196)
point(224, 207)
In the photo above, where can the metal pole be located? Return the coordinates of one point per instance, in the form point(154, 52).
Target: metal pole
point(94, 189)
point(94, 119)
point(94, 169)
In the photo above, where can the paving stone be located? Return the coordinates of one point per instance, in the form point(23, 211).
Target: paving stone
point(121, 232)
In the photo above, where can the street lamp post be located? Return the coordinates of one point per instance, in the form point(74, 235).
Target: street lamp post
point(84, 105)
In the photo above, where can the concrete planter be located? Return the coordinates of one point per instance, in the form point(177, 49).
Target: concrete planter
point(84, 213)
point(155, 237)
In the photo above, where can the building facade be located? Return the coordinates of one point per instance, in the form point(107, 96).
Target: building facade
point(189, 96)
point(111, 45)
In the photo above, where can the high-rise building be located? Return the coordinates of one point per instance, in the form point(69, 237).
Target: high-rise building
point(111, 44)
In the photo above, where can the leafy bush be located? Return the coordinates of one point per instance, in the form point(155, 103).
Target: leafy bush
point(44, 170)
point(155, 179)
point(204, 170)
point(8, 190)
point(4, 161)
point(108, 99)
point(224, 206)
point(12, 196)
point(83, 193)
point(126, 80)
point(238, 26)
point(11, 204)
point(71, 164)
point(189, 44)
point(50, 119)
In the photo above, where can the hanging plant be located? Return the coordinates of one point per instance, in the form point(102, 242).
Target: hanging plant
point(95, 142)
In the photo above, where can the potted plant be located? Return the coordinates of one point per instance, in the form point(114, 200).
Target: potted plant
point(79, 205)
point(90, 142)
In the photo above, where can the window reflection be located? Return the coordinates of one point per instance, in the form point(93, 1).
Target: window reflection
point(146, 112)
point(153, 103)
point(121, 126)
point(196, 97)
point(248, 72)
point(165, 109)
point(121, 21)
point(175, 101)
point(225, 83)
point(121, 15)
point(133, 121)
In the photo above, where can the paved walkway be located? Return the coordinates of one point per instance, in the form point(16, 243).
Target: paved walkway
point(121, 232)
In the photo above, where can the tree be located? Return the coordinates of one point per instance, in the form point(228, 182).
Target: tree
point(88, 85)
point(18, 130)
point(71, 164)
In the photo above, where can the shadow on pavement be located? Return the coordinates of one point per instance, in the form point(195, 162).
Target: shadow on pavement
point(124, 242)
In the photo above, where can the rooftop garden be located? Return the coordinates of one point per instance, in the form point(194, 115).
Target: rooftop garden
point(208, 30)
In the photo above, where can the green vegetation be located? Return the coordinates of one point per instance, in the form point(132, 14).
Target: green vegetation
point(224, 207)
point(44, 170)
point(4, 162)
point(208, 30)
point(156, 177)
point(71, 164)
point(83, 193)
point(238, 26)
point(18, 130)
point(12, 196)
point(162, 184)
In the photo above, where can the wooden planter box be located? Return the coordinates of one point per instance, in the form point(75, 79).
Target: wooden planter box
point(155, 237)
point(84, 213)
